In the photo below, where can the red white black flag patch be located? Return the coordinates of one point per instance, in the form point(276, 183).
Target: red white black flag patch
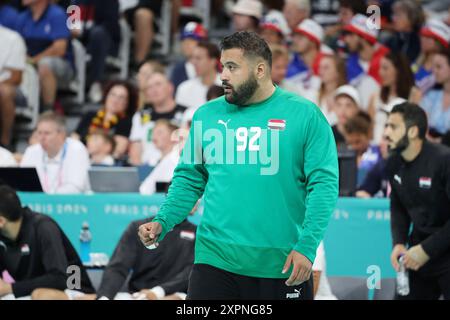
point(277, 124)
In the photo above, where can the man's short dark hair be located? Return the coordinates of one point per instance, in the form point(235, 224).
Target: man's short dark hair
point(250, 43)
point(213, 50)
point(10, 206)
point(361, 123)
point(413, 115)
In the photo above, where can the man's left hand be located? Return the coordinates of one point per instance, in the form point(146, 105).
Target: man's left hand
point(5, 288)
point(301, 271)
point(415, 258)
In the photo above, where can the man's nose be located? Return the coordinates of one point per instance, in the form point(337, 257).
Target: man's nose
point(224, 76)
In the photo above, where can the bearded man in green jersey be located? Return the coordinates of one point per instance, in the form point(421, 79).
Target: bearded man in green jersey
point(265, 162)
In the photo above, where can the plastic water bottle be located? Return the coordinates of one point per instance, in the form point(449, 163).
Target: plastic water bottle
point(402, 279)
point(85, 243)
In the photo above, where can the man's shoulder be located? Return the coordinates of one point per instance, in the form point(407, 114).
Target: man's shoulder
point(40, 221)
point(186, 85)
point(9, 36)
point(437, 151)
point(298, 103)
point(214, 106)
point(76, 145)
point(55, 11)
point(34, 149)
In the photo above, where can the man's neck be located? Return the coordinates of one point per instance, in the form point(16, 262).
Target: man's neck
point(265, 91)
point(99, 157)
point(167, 105)
point(13, 230)
point(366, 53)
point(209, 79)
point(53, 153)
point(166, 151)
point(38, 9)
point(309, 57)
point(413, 150)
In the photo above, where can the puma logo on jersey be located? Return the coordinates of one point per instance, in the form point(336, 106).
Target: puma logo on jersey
point(294, 295)
point(398, 179)
point(225, 124)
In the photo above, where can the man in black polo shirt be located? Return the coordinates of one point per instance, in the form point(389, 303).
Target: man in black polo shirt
point(419, 173)
point(34, 253)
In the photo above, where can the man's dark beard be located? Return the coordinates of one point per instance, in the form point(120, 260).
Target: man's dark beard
point(401, 146)
point(245, 91)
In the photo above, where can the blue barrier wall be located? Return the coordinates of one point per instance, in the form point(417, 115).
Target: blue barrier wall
point(358, 236)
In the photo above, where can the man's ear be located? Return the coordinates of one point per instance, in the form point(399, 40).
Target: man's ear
point(413, 132)
point(2, 222)
point(261, 69)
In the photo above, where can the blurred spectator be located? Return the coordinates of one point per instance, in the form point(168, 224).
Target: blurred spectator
point(397, 81)
point(363, 63)
point(163, 172)
point(142, 17)
point(7, 158)
point(357, 136)
point(376, 182)
point(158, 274)
point(36, 253)
point(434, 37)
point(346, 106)
point(12, 64)
point(436, 102)
point(280, 63)
point(306, 44)
point(246, 15)
point(145, 71)
point(100, 146)
point(295, 11)
point(407, 17)
point(347, 10)
point(214, 92)
point(62, 163)
point(100, 33)
point(184, 70)
point(161, 105)
point(192, 93)
point(274, 28)
point(44, 27)
point(332, 74)
point(8, 15)
point(322, 289)
point(114, 117)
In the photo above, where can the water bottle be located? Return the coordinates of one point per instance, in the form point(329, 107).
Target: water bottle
point(402, 279)
point(85, 243)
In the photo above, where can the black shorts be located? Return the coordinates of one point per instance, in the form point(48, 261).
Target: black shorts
point(210, 283)
point(427, 287)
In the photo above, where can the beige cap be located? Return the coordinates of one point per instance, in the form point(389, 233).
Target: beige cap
point(253, 8)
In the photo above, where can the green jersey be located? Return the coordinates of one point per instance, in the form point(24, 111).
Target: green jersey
point(269, 176)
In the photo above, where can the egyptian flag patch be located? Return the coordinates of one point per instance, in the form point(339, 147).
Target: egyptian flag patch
point(276, 124)
point(187, 235)
point(425, 182)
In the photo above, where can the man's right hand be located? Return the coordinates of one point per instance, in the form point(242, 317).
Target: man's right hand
point(398, 250)
point(149, 233)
